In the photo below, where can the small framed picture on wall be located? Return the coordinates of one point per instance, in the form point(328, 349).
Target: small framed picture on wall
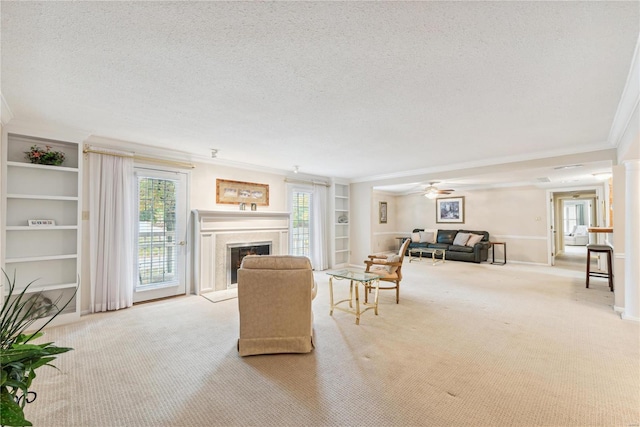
point(383, 212)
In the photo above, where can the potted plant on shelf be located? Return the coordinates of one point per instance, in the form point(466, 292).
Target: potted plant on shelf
point(44, 156)
point(19, 356)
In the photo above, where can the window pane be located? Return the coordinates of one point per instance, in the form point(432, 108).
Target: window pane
point(301, 225)
point(156, 232)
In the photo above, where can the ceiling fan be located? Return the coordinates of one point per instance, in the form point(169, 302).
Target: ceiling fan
point(431, 192)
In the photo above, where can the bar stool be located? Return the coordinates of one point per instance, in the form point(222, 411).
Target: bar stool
point(602, 249)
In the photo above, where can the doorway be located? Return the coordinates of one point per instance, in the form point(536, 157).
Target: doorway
point(161, 226)
point(572, 212)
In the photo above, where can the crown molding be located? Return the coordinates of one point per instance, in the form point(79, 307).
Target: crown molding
point(6, 115)
point(624, 127)
point(40, 130)
point(486, 163)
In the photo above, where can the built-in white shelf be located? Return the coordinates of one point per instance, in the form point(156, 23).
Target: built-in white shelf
point(40, 197)
point(42, 167)
point(33, 289)
point(47, 256)
point(40, 258)
point(340, 233)
point(41, 228)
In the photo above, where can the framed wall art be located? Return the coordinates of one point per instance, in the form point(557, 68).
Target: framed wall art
point(383, 212)
point(236, 192)
point(450, 210)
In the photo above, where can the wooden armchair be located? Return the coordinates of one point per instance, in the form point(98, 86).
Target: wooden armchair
point(389, 267)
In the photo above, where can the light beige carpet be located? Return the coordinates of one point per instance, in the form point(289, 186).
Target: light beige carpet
point(468, 345)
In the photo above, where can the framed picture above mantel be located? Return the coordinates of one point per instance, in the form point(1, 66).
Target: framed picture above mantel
point(450, 210)
point(236, 192)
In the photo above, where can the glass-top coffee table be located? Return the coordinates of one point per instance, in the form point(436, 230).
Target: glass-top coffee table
point(368, 280)
point(418, 253)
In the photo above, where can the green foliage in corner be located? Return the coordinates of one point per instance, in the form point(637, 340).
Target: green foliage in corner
point(19, 357)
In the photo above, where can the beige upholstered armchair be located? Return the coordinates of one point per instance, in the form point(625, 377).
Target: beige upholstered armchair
point(389, 267)
point(274, 298)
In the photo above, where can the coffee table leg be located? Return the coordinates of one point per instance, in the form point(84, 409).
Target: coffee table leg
point(331, 295)
point(357, 305)
point(351, 294)
point(375, 301)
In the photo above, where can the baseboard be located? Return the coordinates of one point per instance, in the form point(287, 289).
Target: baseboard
point(618, 309)
point(509, 261)
point(631, 318)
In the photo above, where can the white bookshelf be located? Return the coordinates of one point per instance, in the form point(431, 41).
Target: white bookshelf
point(341, 218)
point(48, 256)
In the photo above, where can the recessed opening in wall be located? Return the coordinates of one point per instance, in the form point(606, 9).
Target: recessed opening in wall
point(236, 252)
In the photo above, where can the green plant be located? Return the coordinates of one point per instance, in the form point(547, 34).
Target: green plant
point(19, 357)
point(44, 156)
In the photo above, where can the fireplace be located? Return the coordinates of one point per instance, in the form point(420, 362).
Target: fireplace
point(236, 252)
point(215, 231)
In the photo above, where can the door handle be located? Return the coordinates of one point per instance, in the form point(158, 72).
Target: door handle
point(182, 243)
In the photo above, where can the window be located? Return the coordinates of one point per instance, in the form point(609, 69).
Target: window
point(300, 223)
point(156, 235)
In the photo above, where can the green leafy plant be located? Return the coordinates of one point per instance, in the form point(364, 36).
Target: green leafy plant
point(19, 357)
point(44, 156)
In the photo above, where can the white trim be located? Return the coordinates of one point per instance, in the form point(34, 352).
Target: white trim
point(633, 319)
point(77, 136)
point(587, 148)
point(507, 236)
point(6, 115)
point(628, 104)
point(525, 262)
point(618, 309)
point(381, 233)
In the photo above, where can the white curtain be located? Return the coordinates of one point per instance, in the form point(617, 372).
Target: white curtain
point(111, 230)
point(320, 240)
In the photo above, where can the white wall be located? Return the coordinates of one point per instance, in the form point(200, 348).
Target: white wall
point(516, 216)
point(384, 235)
point(203, 186)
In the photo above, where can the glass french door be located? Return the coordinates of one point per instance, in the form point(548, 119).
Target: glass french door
point(300, 243)
point(161, 228)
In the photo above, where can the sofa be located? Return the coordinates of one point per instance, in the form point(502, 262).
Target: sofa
point(460, 245)
point(275, 294)
point(578, 237)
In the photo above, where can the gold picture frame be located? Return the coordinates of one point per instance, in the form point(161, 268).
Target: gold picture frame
point(236, 192)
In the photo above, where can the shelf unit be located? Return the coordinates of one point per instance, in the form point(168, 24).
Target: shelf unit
point(340, 241)
point(48, 256)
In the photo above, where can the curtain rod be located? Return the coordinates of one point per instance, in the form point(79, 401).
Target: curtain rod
point(135, 156)
point(302, 181)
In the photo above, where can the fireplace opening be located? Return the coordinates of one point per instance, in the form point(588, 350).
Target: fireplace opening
point(236, 252)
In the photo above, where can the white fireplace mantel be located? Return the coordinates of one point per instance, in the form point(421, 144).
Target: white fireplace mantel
point(213, 230)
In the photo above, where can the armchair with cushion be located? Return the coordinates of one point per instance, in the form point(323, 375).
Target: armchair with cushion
point(389, 267)
point(274, 298)
point(578, 237)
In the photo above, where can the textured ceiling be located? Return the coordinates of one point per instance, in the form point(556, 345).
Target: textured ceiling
point(342, 89)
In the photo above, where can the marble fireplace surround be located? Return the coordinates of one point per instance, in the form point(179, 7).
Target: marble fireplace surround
point(214, 230)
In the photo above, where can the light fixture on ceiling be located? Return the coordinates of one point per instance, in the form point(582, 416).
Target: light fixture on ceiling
point(214, 153)
point(602, 175)
point(432, 192)
point(568, 167)
point(296, 168)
